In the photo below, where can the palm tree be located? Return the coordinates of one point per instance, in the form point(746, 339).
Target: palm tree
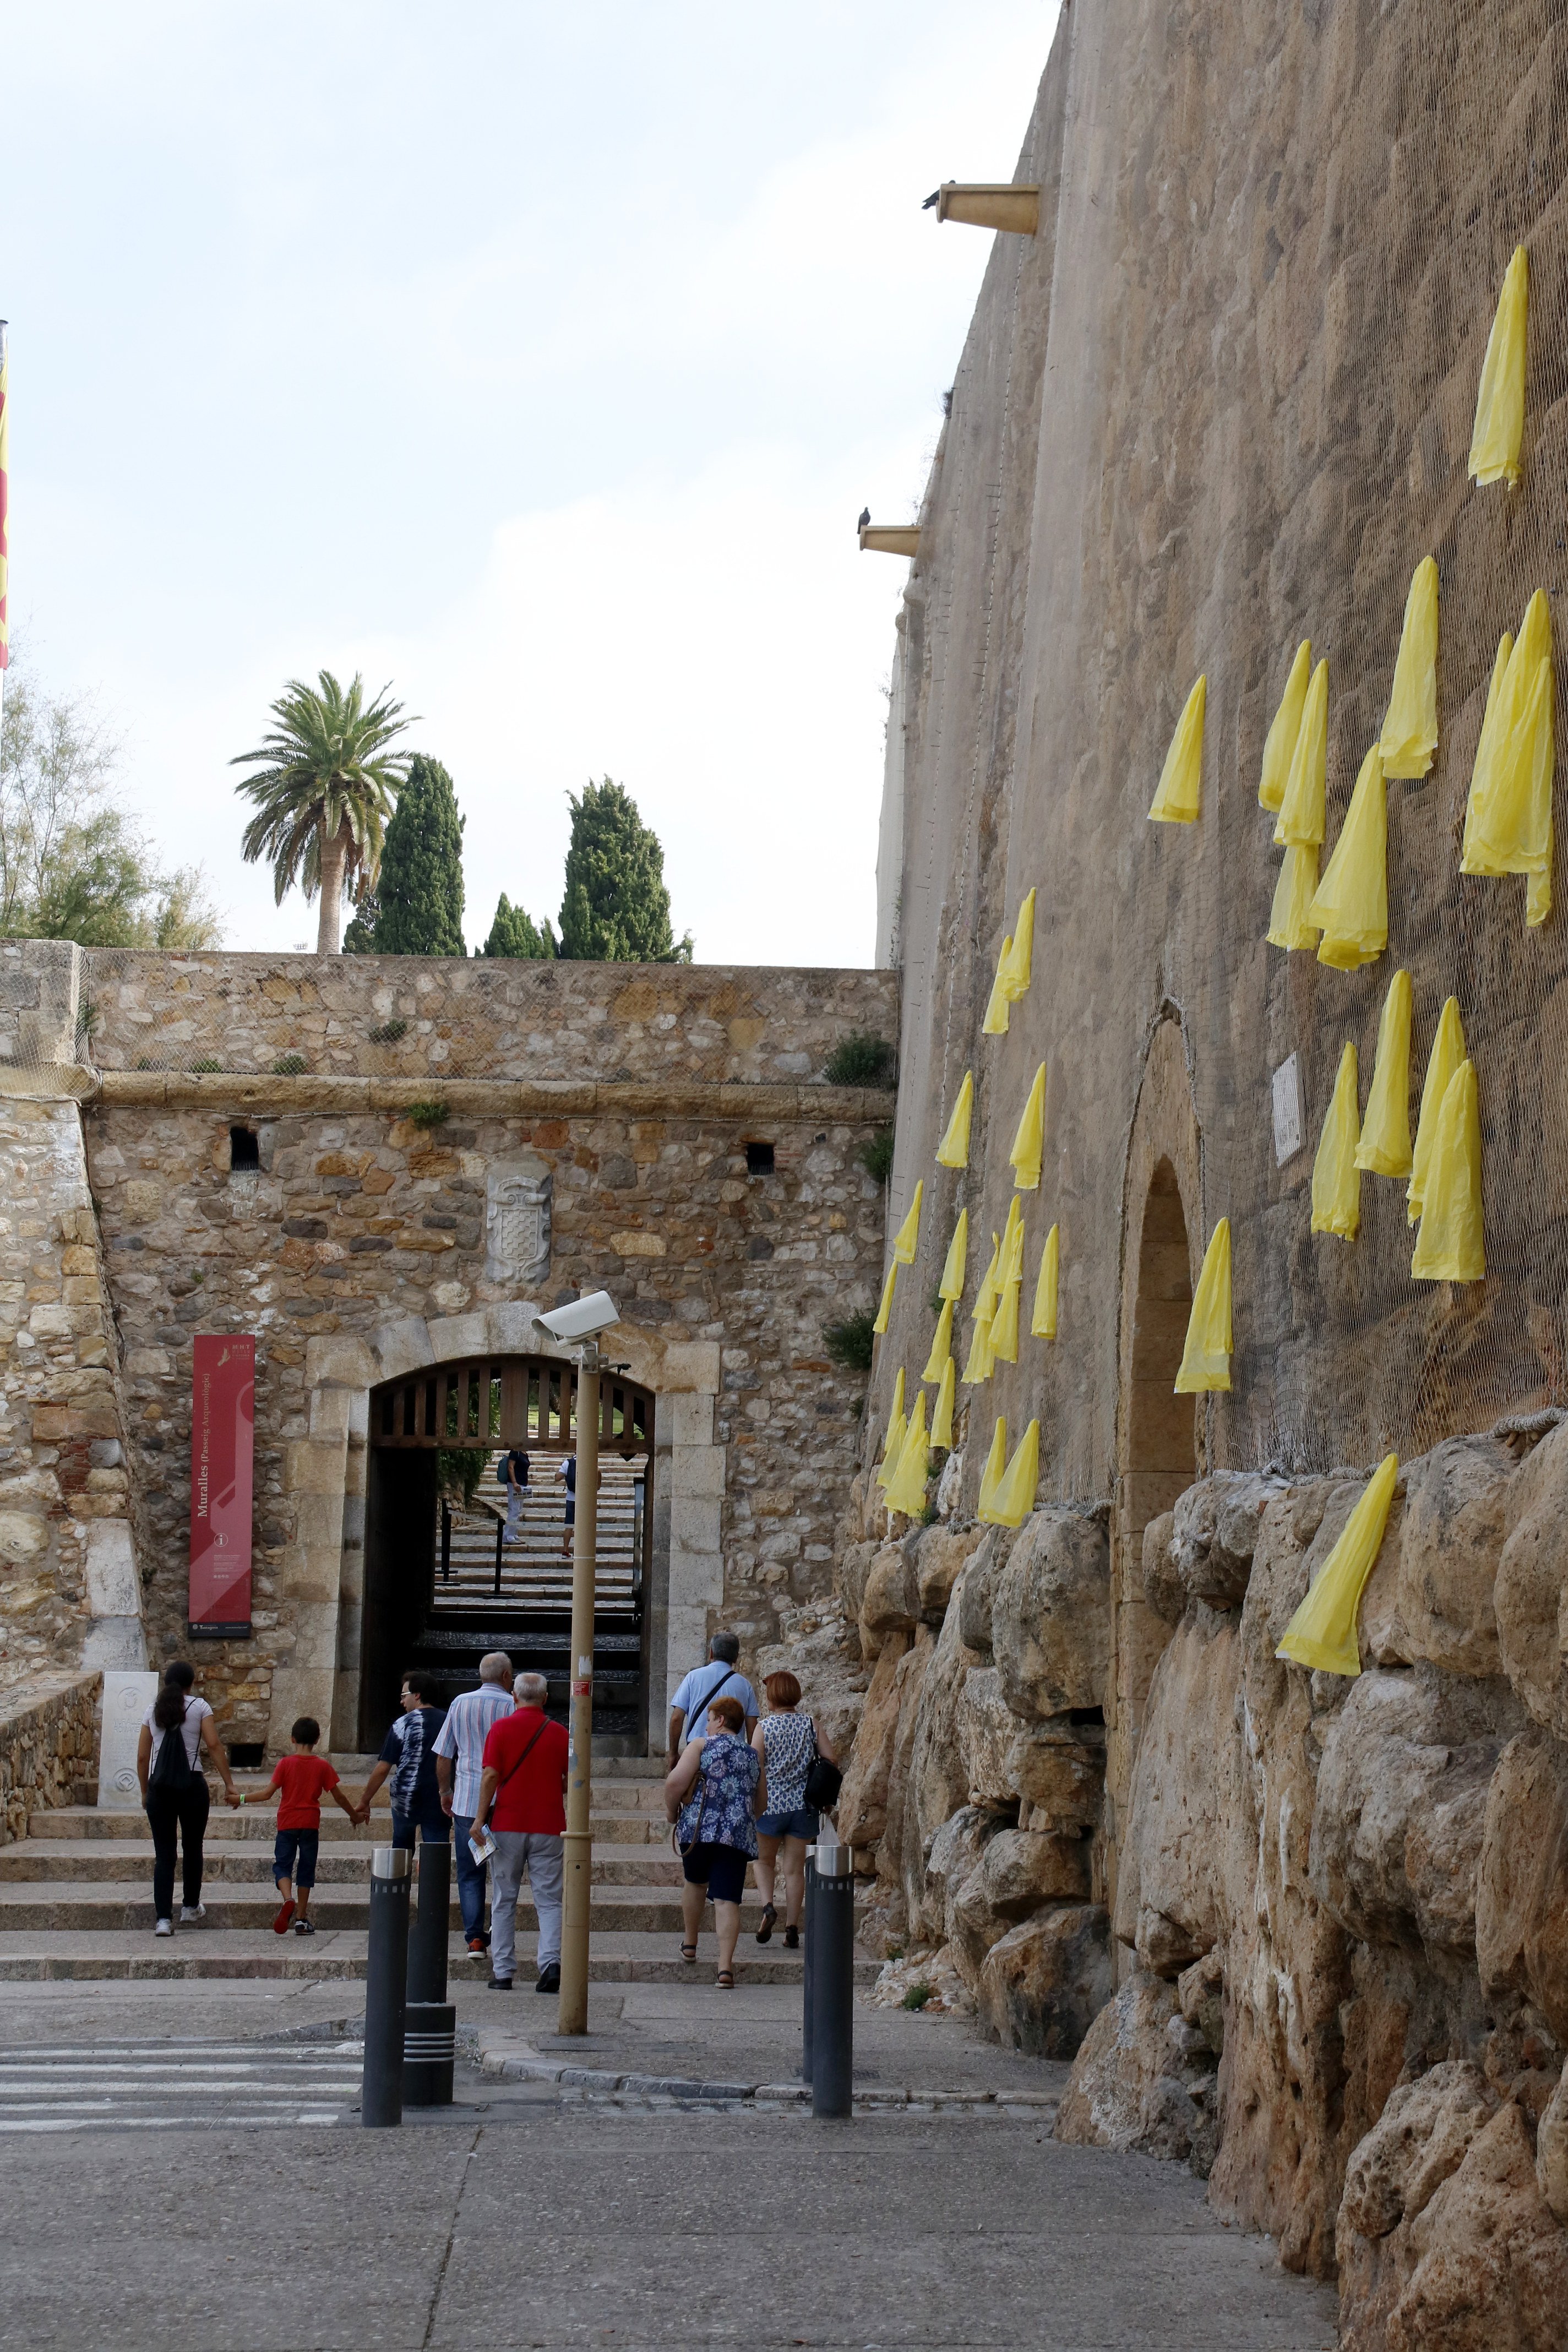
point(326, 785)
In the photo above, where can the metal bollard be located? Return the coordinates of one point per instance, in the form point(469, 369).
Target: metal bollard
point(809, 1930)
point(832, 1982)
point(427, 1936)
point(385, 1988)
point(429, 2052)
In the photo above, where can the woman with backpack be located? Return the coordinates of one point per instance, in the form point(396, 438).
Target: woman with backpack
point(795, 1754)
point(174, 1790)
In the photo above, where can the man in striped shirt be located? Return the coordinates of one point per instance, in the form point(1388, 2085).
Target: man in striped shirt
point(459, 1752)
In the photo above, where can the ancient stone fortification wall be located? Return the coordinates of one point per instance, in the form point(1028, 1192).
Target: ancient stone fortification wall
point(49, 1746)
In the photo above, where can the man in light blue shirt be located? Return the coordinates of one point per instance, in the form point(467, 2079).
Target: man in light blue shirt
point(696, 1691)
point(460, 1751)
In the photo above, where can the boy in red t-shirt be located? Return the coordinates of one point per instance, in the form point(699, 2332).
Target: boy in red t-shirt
point(299, 1782)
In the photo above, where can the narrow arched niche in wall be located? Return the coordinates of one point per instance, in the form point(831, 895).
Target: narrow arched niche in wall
point(1158, 1434)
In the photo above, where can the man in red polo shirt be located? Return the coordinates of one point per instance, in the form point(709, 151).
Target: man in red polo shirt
point(522, 1802)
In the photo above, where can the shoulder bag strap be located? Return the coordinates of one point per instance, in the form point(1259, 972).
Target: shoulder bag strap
point(522, 1761)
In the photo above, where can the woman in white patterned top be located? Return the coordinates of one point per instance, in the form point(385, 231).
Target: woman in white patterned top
point(787, 1743)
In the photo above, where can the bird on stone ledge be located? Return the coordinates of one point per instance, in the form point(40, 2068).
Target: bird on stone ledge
point(864, 518)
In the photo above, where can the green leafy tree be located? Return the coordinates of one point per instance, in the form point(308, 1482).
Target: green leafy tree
point(513, 933)
point(616, 907)
point(416, 908)
point(326, 782)
point(73, 864)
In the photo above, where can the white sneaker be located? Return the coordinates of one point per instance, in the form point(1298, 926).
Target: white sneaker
point(164, 1927)
point(187, 1913)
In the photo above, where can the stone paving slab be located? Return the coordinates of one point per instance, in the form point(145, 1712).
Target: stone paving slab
point(197, 1952)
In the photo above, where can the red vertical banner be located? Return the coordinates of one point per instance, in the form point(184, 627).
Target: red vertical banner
point(223, 1433)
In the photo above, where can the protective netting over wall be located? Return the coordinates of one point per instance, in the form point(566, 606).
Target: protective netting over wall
point(1256, 325)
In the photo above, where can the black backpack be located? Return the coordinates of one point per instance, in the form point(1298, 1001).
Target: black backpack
point(502, 1466)
point(172, 1772)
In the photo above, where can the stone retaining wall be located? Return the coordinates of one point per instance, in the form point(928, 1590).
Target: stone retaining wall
point(49, 1746)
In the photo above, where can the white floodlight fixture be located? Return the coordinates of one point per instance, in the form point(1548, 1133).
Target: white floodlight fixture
point(581, 1319)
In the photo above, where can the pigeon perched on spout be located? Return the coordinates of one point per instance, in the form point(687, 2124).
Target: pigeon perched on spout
point(864, 518)
point(934, 198)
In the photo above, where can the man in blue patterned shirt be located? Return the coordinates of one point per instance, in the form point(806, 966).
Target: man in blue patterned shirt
point(408, 1755)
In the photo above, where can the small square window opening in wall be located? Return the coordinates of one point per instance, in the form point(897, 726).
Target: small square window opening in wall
point(759, 1159)
point(244, 1151)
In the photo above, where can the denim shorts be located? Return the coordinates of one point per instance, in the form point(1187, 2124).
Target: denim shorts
point(294, 1855)
point(801, 1823)
point(721, 1869)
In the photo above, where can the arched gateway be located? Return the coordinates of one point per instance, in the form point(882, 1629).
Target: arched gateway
point(446, 1578)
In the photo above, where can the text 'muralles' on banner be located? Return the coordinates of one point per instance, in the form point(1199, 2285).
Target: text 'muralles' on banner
point(222, 1429)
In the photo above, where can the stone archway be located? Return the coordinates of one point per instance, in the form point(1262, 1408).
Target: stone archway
point(1158, 1434)
point(321, 1587)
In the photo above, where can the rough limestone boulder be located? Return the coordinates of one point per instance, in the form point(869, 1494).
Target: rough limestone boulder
point(1018, 1871)
point(1552, 2151)
point(940, 1555)
point(1521, 1895)
point(1045, 1981)
point(1169, 1902)
point(985, 1734)
point(1531, 1596)
point(937, 1782)
point(1050, 1615)
point(1422, 2136)
point(863, 1798)
point(1451, 1539)
point(887, 1915)
point(1401, 1805)
point(891, 1604)
point(1491, 2260)
point(973, 1597)
point(849, 1576)
point(1058, 1771)
point(1124, 2054)
point(956, 1852)
point(1215, 1532)
point(1162, 1586)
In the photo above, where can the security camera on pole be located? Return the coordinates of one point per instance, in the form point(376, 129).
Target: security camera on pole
point(582, 1320)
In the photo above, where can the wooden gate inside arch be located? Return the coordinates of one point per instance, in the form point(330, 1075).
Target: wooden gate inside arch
point(453, 1569)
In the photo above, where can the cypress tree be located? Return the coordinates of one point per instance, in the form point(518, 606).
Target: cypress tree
point(513, 934)
point(419, 893)
point(616, 907)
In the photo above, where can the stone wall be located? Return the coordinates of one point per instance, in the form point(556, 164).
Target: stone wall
point(49, 1746)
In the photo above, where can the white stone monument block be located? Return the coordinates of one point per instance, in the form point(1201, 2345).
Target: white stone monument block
point(126, 1699)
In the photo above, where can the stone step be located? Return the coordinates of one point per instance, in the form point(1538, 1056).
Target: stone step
point(87, 1825)
point(47, 1905)
point(244, 1862)
point(202, 1952)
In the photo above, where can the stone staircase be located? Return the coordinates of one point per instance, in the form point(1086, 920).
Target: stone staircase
point(76, 1895)
point(534, 1572)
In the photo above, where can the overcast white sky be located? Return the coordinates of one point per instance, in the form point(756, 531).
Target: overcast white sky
point(538, 359)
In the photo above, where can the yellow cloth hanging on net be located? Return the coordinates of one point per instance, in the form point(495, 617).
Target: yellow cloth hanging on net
point(996, 1462)
point(1451, 1245)
point(885, 1308)
point(1336, 1179)
point(1280, 740)
point(1180, 789)
point(1500, 402)
point(952, 1152)
point(1322, 1632)
point(1289, 923)
point(1014, 971)
point(1043, 1322)
point(1410, 727)
point(1351, 907)
point(996, 1021)
point(1508, 816)
point(940, 1354)
point(1486, 746)
point(980, 1362)
point(897, 1430)
point(942, 1412)
point(1384, 1146)
point(1447, 1053)
point(906, 1241)
point(1206, 1359)
point(1004, 1321)
point(1302, 810)
point(907, 1487)
point(1538, 896)
point(1028, 1143)
point(953, 1265)
point(990, 1284)
point(1013, 1496)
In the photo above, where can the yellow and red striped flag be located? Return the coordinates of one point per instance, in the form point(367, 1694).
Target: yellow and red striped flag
point(5, 484)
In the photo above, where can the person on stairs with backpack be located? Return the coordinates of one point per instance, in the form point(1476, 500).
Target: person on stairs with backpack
point(175, 1791)
point(511, 1472)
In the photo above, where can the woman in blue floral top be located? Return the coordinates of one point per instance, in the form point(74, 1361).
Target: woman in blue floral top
point(714, 1796)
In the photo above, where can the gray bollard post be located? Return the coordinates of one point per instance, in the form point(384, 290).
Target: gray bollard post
point(385, 1988)
point(427, 1937)
point(808, 1929)
point(832, 1982)
point(429, 2052)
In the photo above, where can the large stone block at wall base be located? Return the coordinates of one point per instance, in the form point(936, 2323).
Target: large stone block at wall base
point(1422, 2136)
point(863, 1798)
point(1050, 1615)
point(1531, 1596)
point(1044, 1984)
point(1521, 1887)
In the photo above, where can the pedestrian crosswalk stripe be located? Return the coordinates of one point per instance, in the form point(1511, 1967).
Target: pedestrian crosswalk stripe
point(182, 2086)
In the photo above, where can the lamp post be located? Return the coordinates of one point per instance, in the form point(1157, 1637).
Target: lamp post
point(577, 1890)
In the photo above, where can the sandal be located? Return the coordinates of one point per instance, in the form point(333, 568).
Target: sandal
point(725, 1980)
point(688, 1953)
point(765, 1931)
